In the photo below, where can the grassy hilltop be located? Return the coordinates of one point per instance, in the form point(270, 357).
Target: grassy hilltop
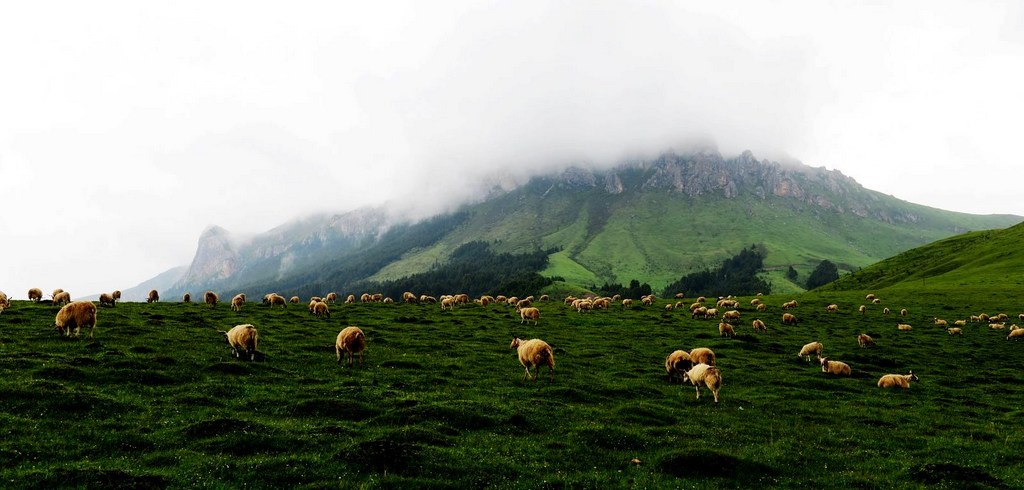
point(156, 400)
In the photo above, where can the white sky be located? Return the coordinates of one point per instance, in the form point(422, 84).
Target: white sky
point(126, 128)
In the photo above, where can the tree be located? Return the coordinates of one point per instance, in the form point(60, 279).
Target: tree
point(825, 273)
point(791, 274)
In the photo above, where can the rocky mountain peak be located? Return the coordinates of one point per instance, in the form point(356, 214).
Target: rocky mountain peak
point(216, 257)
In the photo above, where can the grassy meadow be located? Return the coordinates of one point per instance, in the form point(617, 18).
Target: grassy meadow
point(157, 400)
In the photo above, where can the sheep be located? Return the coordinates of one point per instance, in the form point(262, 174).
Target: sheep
point(35, 295)
point(534, 353)
point(350, 299)
point(863, 309)
point(5, 302)
point(834, 367)
point(237, 302)
point(626, 303)
point(62, 298)
point(331, 297)
point(790, 305)
point(759, 326)
point(731, 315)
point(274, 299)
point(1015, 334)
point(699, 311)
point(77, 315)
point(116, 295)
point(242, 338)
point(321, 310)
point(754, 302)
point(186, 298)
point(832, 308)
point(903, 312)
point(939, 321)
point(865, 340)
point(788, 319)
point(726, 330)
point(647, 300)
point(869, 297)
point(677, 363)
point(523, 303)
point(702, 355)
point(960, 323)
point(153, 296)
point(897, 380)
point(811, 348)
point(211, 298)
point(545, 298)
point(876, 301)
point(954, 331)
point(997, 326)
point(106, 299)
point(294, 300)
point(762, 307)
point(904, 327)
point(55, 293)
point(1021, 317)
point(408, 297)
point(448, 303)
point(711, 313)
point(528, 314)
point(886, 311)
point(704, 375)
point(669, 307)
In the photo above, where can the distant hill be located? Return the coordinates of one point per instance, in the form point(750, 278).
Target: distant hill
point(652, 220)
point(990, 259)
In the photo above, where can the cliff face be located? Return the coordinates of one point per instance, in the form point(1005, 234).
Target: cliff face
point(215, 259)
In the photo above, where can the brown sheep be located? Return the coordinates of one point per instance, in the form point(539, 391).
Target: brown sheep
point(55, 293)
point(762, 307)
point(408, 297)
point(954, 331)
point(704, 375)
point(897, 380)
point(834, 367)
point(116, 295)
point(211, 298)
point(863, 309)
point(153, 296)
point(865, 340)
point(294, 300)
point(534, 353)
point(243, 338)
point(759, 326)
point(788, 319)
point(731, 315)
point(5, 302)
point(237, 302)
point(677, 363)
point(186, 298)
point(726, 330)
point(321, 310)
point(528, 314)
point(702, 355)
point(790, 305)
point(62, 298)
point(832, 308)
point(811, 348)
point(35, 295)
point(106, 300)
point(331, 297)
point(350, 299)
point(1016, 333)
point(351, 341)
point(274, 299)
point(904, 327)
point(77, 315)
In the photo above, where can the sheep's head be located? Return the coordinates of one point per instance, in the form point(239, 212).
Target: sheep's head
point(515, 343)
point(225, 334)
point(913, 377)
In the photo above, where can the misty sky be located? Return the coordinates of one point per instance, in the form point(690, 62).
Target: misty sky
point(126, 128)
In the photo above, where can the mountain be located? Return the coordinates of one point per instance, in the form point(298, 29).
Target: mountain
point(647, 219)
point(989, 260)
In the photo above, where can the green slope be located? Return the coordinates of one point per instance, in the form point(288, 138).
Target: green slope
point(983, 259)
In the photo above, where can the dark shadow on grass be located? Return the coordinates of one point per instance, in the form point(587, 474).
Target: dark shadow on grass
point(709, 464)
point(954, 476)
point(334, 409)
point(91, 478)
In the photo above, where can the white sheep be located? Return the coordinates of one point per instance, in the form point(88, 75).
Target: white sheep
point(954, 331)
point(897, 380)
point(811, 348)
point(351, 341)
point(243, 338)
point(704, 375)
point(534, 353)
point(107, 299)
point(1016, 334)
point(904, 327)
point(834, 367)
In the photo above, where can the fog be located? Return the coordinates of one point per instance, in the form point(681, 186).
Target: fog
point(126, 128)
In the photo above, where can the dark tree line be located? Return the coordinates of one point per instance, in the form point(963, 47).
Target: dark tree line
point(634, 291)
point(475, 269)
point(825, 273)
point(737, 276)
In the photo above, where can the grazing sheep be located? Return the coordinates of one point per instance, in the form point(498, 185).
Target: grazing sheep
point(669, 307)
point(55, 293)
point(711, 313)
point(754, 302)
point(997, 326)
point(242, 338)
point(274, 299)
point(321, 310)
point(885, 311)
point(529, 314)
point(702, 355)
point(62, 298)
point(5, 302)
point(704, 375)
point(534, 353)
point(731, 315)
point(237, 302)
point(759, 326)
point(726, 330)
point(626, 303)
point(523, 303)
point(762, 307)
point(35, 295)
point(1021, 317)
point(1016, 333)
point(116, 295)
point(331, 297)
point(448, 303)
point(832, 308)
point(153, 297)
point(211, 298)
point(790, 305)
point(408, 297)
point(77, 315)
point(954, 331)
point(811, 348)
point(677, 363)
point(788, 319)
point(876, 301)
point(869, 297)
point(939, 321)
point(960, 323)
point(294, 300)
point(351, 341)
point(863, 309)
point(106, 299)
point(699, 311)
point(903, 312)
point(834, 367)
point(897, 380)
point(865, 340)
point(904, 327)
point(350, 299)
point(186, 298)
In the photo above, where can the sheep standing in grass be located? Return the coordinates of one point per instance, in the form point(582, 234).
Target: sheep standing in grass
point(331, 298)
point(321, 310)
point(704, 375)
point(243, 338)
point(534, 353)
point(116, 295)
point(731, 315)
point(702, 355)
point(863, 310)
point(832, 308)
point(529, 314)
point(1017, 333)
point(274, 299)
point(106, 299)
point(903, 312)
point(726, 330)
point(954, 331)
point(351, 341)
point(834, 367)
point(677, 363)
point(897, 380)
point(237, 302)
point(294, 300)
point(811, 348)
point(186, 298)
point(759, 326)
point(788, 319)
point(5, 302)
point(35, 295)
point(77, 315)
point(211, 298)
point(865, 340)
point(62, 298)
point(904, 327)
point(153, 296)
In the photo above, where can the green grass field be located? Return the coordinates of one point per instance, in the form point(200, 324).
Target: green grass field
point(157, 400)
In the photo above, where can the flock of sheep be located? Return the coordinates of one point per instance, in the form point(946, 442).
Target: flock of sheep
point(697, 367)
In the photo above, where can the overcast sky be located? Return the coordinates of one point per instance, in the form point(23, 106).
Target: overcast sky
point(126, 128)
